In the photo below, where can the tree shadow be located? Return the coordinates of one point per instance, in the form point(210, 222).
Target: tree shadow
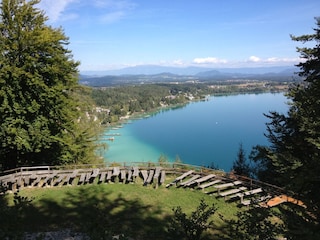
point(97, 213)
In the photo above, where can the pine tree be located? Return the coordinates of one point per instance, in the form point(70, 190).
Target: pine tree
point(240, 166)
point(38, 78)
point(293, 157)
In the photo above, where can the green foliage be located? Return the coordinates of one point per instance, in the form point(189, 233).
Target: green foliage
point(178, 159)
point(38, 81)
point(240, 165)
point(11, 216)
point(293, 157)
point(163, 158)
point(125, 100)
point(191, 227)
point(254, 224)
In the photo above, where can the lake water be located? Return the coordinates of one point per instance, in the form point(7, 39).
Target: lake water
point(200, 133)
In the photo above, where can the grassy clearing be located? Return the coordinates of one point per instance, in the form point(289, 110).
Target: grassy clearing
point(130, 208)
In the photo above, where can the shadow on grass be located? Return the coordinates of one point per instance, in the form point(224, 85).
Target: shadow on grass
point(95, 212)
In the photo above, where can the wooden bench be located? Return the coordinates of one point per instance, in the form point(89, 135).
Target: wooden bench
point(163, 176)
point(144, 174)
point(226, 185)
point(204, 179)
point(102, 178)
point(123, 174)
point(209, 184)
point(189, 181)
point(232, 191)
point(150, 176)
point(180, 178)
point(247, 193)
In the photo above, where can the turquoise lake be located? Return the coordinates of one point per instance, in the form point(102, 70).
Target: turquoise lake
point(200, 133)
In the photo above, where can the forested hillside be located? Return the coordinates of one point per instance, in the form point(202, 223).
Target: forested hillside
point(118, 102)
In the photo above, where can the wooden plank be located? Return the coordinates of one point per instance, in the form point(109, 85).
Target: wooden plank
point(254, 191)
point(180, 178)
point(129, 178)
point(67, 179)
point(247, 193)
point(224, 185)
point(150, 176)
point(95, 173)
point(123, 174)
point(205, 178)
point(135, 172)
point(102, 176)
point(36, 181)
point(116, 171)
point(49, 178)
point(88, 177)
point(26, 180)
point(232, 191)
point(202, 186)
point(237, 182)
point(109, 175)
point(74, 174)
point(189, 180)
point(82, 178)
point(157, 172)
point(144, 174)
point(163, 176)
point(58, 180)
point(183, 176)
point(246, 202)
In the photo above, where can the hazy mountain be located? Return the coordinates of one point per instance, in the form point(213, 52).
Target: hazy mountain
point(249, 72)
point(153, 74)
point(191, 71)
point(148, 70)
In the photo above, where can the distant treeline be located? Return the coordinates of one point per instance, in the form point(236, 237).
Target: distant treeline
point(122, 101)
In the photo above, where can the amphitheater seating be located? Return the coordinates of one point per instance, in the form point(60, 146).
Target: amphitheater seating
point(229, 188)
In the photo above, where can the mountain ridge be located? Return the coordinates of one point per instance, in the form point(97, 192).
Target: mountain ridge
point(191, 71)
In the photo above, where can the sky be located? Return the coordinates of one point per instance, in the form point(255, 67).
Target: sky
point(113, 34)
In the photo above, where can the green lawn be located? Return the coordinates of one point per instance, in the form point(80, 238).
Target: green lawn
point(118, 208)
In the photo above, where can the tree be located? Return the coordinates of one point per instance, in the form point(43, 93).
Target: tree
point(255, 224)
point(191, 227)
point(293, 156)
point(163, 158)
point(240, 165)
point(38, 81)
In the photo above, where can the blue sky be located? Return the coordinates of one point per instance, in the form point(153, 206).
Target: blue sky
point(112, 34)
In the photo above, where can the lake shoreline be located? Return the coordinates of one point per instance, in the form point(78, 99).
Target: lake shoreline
point(215, 140)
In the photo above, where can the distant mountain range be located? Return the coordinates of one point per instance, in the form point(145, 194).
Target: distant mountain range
point(154, 73)
point(155, 69)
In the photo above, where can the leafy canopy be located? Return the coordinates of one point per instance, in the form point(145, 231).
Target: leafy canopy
point(38, 84)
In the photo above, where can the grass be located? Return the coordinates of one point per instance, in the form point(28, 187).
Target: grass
point(131, 208)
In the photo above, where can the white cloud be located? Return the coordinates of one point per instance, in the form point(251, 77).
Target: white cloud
point(178, 62)
point(112, 17)
point(283, 60)
point(254, 59)
point(208, 60)
point(273, 60)
point(107, 11)
point(54, 9)
point(114, 4)
point(114, 9)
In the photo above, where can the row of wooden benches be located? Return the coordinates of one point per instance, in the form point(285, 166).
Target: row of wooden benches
point(44, 178)
point(222, 187)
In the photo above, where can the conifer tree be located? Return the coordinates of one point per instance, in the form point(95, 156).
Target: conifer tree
point(38, 81)
point(293, 159)
point(240, 166)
